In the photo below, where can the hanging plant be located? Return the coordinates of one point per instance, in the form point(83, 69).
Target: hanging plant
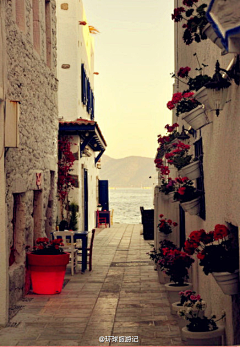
point(195, 20)
point(65, 164)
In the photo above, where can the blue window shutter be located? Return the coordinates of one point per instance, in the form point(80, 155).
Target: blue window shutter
point(92, 114)
point(83, 75)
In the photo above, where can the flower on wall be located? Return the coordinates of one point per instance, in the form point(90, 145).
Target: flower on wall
point(195, 20)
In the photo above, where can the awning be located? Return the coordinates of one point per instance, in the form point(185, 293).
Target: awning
point(89, 132)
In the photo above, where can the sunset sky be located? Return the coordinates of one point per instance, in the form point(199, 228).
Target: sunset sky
point(134, 58)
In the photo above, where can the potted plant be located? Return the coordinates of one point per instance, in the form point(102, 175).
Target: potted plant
point(157, 255)
point(195, 20)
point(179, 156)
point(176, 264)
point(167, 187)
point(188, 298)
point(218, 255)
point(47, 266)
point(99, 207)
point(201, 330)
point(165, 225)
point(188, 195)
point(196, 84)
point(183, 102)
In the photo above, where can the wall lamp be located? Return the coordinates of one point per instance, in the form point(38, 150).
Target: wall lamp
point(184, 136)
point(217, 89)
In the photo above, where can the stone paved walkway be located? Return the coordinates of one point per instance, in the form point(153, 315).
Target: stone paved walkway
point(121, 298)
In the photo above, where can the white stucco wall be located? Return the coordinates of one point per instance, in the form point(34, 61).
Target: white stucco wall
point(221, 164)
point(75, 46)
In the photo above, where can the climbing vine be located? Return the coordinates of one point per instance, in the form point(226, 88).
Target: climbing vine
point(65, 164)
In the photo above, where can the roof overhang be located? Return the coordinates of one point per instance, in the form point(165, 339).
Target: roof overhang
point(88, 130)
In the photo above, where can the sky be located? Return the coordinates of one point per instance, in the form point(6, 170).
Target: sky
point(134, 57)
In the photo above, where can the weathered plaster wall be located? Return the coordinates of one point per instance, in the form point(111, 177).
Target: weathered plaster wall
point(34, 84)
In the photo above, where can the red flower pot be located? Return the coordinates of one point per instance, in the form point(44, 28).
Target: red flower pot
point(47, 272)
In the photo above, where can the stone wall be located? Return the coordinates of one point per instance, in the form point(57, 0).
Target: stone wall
point(30, 208)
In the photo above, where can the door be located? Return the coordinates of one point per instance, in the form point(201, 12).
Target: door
point(103, 194)
point(85, 200)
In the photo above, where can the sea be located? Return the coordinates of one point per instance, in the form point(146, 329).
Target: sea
point(126, 203)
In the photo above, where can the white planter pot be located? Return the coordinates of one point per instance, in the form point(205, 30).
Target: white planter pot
point(99, 208)
point(164, 196)
point(203, 338)
point(197, 118)
point(192, 207)
point(228, 282)
point(192, 171)
point(210, 33)
point(162, 277)
point(173, 291)
point(202, 96)
point(170, 197)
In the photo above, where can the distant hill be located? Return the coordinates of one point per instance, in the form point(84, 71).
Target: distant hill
point(127, 172)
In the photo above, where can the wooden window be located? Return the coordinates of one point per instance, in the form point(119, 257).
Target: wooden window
point(48, 32)
point(20, 14)
point(36, 25)
point(182, 231)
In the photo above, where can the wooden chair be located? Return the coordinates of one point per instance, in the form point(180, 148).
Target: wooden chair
point(102, 221)
point(69, 246)
point(89, 252)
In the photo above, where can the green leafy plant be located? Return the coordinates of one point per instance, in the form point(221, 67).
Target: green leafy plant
point(195, 20)
point(73, 217)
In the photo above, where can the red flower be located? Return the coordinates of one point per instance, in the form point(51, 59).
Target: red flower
point(188, 95)
point(197, 235)
point(189, 3)
point(169, 221)
point(177, 97)
point(183, 71)
point(200, 256)
point(161, 215)
point(175, 224)
point(220, 231)
point(170, 105)
point(176, 16)
point(181, 190)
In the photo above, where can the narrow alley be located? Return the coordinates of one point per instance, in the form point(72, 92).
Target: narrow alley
point(120, 302)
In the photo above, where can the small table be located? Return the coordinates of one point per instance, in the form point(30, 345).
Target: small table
point(82, 235)
point(105, 214)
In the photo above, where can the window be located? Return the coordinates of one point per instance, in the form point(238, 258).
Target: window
point(48, 32)
point(200, 181)
point(36, 25)
point(84, 85)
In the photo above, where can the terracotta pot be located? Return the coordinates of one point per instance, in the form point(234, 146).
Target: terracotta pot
point(192, 207)
point(192, 171)
point(203, 338)
point(228, 282)
point(47, 272)
point(197, 118)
